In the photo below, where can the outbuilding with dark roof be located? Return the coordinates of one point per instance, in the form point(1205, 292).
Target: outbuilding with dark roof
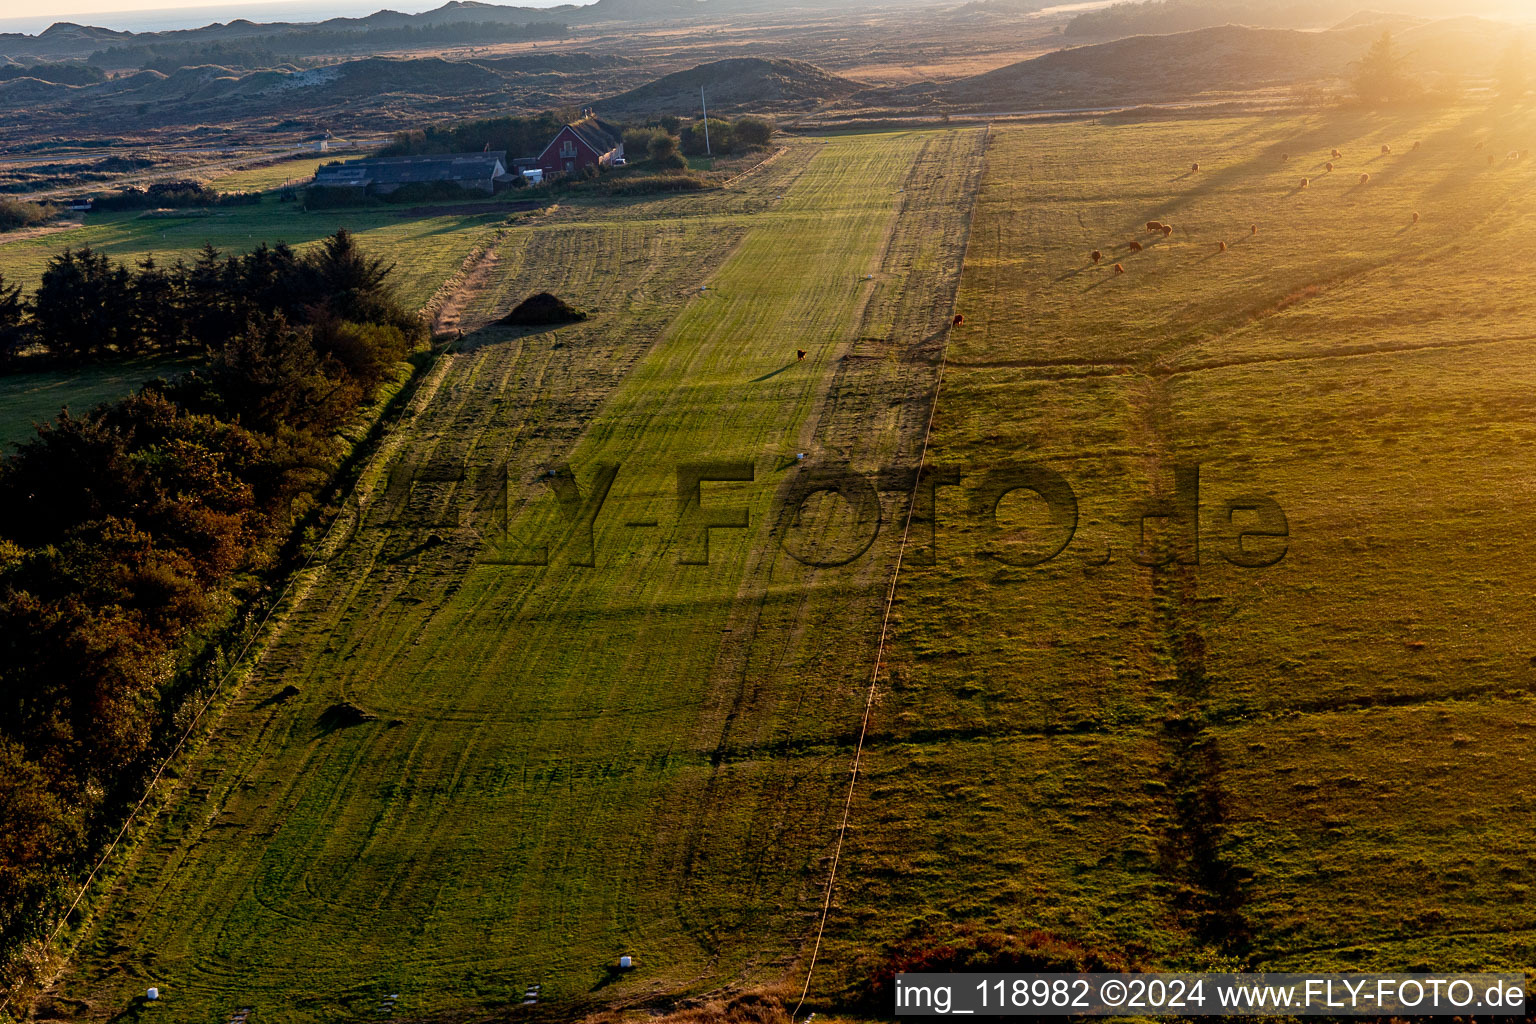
point(477, 171)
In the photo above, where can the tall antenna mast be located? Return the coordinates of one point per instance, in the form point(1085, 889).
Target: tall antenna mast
point(707, 150)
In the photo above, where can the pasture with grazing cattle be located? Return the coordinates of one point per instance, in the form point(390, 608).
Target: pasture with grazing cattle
point(503, 732)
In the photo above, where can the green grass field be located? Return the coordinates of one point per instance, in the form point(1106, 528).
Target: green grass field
point(426, 250)
point(556, 775)
point(1316, 765)
point(276, 174)
point(30, 398)
point(1319, 765)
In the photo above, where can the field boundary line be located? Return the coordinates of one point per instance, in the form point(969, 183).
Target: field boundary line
point(259, 636)
point(890, 595)
point(764, 162)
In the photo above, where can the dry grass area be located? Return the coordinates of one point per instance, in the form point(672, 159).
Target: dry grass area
point(1319, 765)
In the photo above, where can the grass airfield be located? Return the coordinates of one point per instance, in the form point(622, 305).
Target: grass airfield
point(559, 770)
point(1316, 765)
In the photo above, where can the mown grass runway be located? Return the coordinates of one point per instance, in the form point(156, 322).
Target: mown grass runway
point(556, 772)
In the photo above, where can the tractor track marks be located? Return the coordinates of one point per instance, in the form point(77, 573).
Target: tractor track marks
point(788, 652)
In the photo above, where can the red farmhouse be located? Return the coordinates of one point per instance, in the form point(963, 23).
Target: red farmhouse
point(589, 142)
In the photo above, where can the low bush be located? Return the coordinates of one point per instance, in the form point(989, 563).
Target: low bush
point(17, 214)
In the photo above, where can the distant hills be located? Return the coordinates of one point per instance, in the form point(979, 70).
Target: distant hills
point(379, 94)
point(759, 83)
point(67, 40)
point(370, 94)
point(1229, 59)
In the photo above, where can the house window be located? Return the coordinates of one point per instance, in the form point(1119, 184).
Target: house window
point(568, 150)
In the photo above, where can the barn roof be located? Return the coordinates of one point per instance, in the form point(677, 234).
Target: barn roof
point(400, 170)
point(598, 134)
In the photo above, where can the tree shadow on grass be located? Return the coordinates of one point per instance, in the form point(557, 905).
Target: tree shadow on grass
point(134, 1011)
point(774, 373)
point(499, 334)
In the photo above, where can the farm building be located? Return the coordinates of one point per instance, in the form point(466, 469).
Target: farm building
point(590, 142)
point(477, 171)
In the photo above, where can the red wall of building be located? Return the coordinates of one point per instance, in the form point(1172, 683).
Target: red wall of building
point(554, 160)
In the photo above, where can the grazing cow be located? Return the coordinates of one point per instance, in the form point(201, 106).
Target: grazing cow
point(1337, 155)
point(959, 319)
point(1416, 146)
point(1285, 157)
point(1221, 246)
point(1365, 179)
point(1096, 255)
point(1386, 150)
point(1134, 247)
point(800, 354)
point(1305, 182)
point(1154, 226)
point(1255, 229)
point(1415, 217)
point(1195, 167)
point(1167, 230)
point(1330, 167)
point(1119, 269)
